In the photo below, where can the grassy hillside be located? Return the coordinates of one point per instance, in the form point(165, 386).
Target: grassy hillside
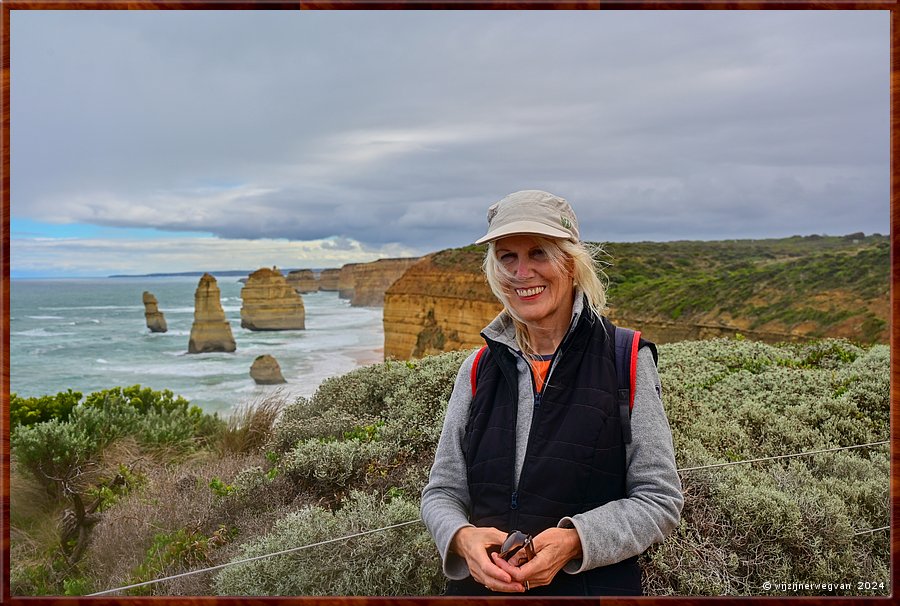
point(823, 286)
point(355, 456)
point(826, 281)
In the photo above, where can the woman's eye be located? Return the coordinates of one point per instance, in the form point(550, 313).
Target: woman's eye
point(538, 254)
point(507, 258)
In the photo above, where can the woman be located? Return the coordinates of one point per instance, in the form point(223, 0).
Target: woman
point(536, 445)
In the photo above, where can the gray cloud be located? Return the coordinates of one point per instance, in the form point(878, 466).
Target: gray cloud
point(402, 127)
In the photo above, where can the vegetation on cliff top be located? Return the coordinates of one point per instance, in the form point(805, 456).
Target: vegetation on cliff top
point(823, 280)
point(355, 456)
point(820, 281)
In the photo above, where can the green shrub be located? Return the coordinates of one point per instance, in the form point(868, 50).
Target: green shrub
point(727, 401)
point(375, 427)
point(790, 519)
point(177, 551)
point(374, 431)
point(28, 411)
point(400, 561)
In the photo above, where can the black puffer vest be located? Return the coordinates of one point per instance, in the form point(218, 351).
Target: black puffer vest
point(575, 458)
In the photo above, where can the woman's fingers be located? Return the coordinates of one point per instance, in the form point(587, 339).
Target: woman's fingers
point(473, 544)
point(554, 548)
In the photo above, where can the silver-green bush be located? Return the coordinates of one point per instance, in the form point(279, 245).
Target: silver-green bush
point(399, 561)
point(782, 521)
point(357, 454)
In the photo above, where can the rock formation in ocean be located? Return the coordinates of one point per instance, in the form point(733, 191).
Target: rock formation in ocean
point(328, 279)
point(156, 322)
point(303, 281)
point(266, 371)
point(371, 280)
point(211, 330)
point(269, 303)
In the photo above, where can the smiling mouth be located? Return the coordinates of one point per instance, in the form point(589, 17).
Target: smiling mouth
point(530, 292)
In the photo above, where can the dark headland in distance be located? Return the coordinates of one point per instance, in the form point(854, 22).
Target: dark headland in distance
point(227, 272)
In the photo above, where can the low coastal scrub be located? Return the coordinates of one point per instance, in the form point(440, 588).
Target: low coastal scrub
point(355, 456)
point(79, 457)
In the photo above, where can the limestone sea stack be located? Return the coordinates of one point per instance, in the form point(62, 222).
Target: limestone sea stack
point(210, 331)
point(266, 371)
point(269, 303)
point(156, 322)
point(303, 281)
point(328, 279)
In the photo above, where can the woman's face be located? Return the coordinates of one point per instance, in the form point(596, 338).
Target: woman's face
point(540, 294)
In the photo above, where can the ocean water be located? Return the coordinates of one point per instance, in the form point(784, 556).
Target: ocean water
point(90, 334)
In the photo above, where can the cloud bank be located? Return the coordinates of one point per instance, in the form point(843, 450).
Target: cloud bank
point(399, 129)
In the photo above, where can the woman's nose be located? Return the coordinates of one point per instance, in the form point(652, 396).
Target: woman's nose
point(523, 268)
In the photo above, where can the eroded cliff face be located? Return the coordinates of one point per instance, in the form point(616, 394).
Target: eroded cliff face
point(371, 280)
point(269, 303)
point(437, 305)
point(328, 279)
point(346, 281)
point(303, 281)
point(442, 303)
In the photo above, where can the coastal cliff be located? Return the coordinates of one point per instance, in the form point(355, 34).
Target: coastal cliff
point(777, 290)
point(346, 281)
point(328, 279)
point(440, 304)
point(371, 280)
point(303, 281)
point(210, 331)
point(269, 303)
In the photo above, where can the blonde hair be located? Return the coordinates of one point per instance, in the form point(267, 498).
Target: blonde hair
point(580, 260)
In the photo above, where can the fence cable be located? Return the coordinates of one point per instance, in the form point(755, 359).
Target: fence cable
point(352, 536)
point(787, 456)
point(268, 555)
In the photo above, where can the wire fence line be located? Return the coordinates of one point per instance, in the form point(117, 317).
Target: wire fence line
point(267, 555)
point(418, 520)
point(787, 456)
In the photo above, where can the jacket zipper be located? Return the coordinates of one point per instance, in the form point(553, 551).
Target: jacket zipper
point(538, 395)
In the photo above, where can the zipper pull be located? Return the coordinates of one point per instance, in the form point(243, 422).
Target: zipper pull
point(515, 501)
point(537, 399)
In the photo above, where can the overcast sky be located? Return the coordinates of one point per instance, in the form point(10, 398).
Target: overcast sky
point(148, 141)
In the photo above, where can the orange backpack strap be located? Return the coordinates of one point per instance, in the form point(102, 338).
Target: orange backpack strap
point(475, 367)
point(635, 346)
point(627, 343)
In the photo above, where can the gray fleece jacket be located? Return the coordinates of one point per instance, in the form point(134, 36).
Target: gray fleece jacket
point(610, 533)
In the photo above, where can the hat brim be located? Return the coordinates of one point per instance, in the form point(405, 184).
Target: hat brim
point(525, 228)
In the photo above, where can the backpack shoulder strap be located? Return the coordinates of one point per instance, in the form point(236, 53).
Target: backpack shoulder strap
point(627, 343)
point(475, 367)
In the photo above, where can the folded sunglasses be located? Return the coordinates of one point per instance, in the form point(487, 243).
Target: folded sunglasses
point(514, 543)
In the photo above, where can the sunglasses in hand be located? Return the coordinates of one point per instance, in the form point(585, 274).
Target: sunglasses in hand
point(515, 543)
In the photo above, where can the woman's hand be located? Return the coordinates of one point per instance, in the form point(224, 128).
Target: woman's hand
point(554, 548)
point(472, 543)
